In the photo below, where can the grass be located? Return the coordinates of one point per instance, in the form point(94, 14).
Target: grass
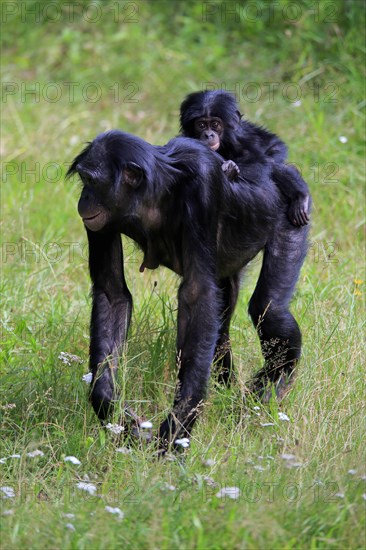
point(314, 500)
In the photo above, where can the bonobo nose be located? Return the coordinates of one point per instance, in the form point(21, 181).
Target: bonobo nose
point(209, 135)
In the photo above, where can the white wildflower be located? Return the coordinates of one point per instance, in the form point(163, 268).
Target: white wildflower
point(116, 511)
point(363, 477)
point(209, 462)
point(87, 378)
point(364, 496)
point(68, 515)
point(70, 527)
point(123, 450)
point(115, 428)
point(68, 358)
point(339, 495)
point(183, 442)
point(288, 456)
point(291, 464)
point(231, 492)
point(7, 492)
point(88, 487)
point(297, 103)
point(35, 453)
point(14, 456)
point(72, 459)
point(210, 482)
point(259, 468)
point(277, 437)
point(283, 416)
point(9, 512)
point(352, 472)
point(256, 408)
point(146, 425)
point(168, 487)
point(343, 139)
point(2, 460)
point(265, 424)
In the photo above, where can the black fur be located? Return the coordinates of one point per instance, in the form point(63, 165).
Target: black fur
point(244, 143)
point(177, 204)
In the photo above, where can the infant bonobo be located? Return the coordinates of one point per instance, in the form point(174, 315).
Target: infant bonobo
point(213, 117)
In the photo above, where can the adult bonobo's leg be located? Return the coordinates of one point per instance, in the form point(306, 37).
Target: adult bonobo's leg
point(278, 331)
point(198, 325)
point(111, 314)
point(224, 362)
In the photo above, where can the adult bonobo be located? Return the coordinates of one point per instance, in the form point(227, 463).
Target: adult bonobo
point(177, 204)
point(213, 117)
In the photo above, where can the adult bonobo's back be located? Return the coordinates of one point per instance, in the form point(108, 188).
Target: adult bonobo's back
point(177, 204)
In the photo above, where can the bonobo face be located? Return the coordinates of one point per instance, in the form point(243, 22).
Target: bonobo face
point(94, 215)
point(106, 194)
point(209, 130)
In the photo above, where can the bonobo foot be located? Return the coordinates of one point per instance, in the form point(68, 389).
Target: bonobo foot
point(263, 388)
point(174, 435)
point(103, 393)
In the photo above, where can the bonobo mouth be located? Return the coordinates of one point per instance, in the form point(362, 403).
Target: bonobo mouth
point(94, 223)
point(90, 217)
point(214, 146)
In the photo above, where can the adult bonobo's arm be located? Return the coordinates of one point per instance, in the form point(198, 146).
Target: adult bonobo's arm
point(111, 314)
point(198, 327)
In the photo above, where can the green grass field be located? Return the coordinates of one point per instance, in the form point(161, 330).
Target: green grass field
point(72, 70)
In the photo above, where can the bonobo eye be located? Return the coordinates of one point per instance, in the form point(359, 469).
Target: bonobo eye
point(200, 124)
point(215, 125)
point(87, 180)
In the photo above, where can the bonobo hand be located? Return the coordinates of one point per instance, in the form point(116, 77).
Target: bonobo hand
point(230, 169)
point(298, 212)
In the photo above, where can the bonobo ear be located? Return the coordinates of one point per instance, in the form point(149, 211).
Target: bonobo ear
point(133, 174)
point(239, 115)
